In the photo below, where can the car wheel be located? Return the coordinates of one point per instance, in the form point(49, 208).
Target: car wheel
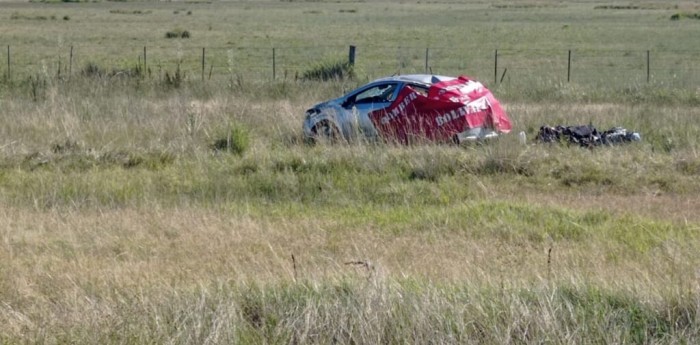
point(326, 130)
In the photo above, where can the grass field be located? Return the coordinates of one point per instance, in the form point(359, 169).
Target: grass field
point(609, 43)
point(121, 223)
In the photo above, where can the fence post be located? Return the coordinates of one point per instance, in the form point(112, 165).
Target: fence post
point(351, 56)
point(9, 74)
point(495, 67)
point(648, 64)
point(70, 63)
point(145, 63)
point(274, 65)
point(203, 61)
point(503, 75)
point(427, 51)
point(568, 68)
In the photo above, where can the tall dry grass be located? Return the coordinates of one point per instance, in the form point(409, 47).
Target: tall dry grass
point(189, 275)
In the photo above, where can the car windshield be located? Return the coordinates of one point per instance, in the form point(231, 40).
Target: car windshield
point(376, 94)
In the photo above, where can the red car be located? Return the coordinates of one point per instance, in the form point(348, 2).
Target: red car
point(411, 108)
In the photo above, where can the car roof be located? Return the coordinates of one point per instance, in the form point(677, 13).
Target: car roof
point(426, 79)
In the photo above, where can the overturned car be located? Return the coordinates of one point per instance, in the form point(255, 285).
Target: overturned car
point(411, 108)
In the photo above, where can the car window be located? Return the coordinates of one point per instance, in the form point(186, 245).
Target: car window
point(377, 94)
point(420, 89)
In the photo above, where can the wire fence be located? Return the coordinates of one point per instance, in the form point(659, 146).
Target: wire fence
point(675, 68)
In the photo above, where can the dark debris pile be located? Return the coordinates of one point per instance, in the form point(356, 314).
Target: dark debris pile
point(586, 135)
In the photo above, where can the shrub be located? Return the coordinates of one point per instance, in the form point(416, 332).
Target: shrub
point(330, 70)
point(235, 141)
point(177, 33)
point(174, 80)
point(129, 12)
point(678, 16)
point(37, 86)
point(16, 16)
point(92, 69)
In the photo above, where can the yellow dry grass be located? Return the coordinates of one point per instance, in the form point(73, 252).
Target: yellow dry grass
point(54, 254)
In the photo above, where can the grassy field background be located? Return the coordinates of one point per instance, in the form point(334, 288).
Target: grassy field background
point(120, 221)
point(609, 41)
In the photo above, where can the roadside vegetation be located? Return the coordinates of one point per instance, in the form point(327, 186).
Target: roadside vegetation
point(144, 209)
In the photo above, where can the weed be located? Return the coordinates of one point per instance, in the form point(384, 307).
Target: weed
point(69, 146)
point(129, 12)
point(177, 33)
point(678, 16)
point(37, 86)
point(689, 167)
point(330, 70)
point(18, 16)
point(616, 7)
point(174, 80)
point(92, 69)
point(501, 165)
point(236, 140)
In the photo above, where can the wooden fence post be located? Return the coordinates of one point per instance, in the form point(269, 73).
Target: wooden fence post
point(568, 68)
point(274, 65)
point(495, 67)
point(145, 63)
point(70, 63)
point(427, 51)
point(9, 73)
point(351, 56)
point(648, 66)
point(203, 61)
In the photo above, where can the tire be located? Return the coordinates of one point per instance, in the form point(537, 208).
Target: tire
point(325, 130)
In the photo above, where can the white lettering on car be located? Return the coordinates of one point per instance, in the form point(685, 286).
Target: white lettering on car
point(470, 108)
point(442, 119)
point(464, 88)
point(399, 109)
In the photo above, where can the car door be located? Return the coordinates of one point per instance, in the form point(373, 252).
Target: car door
point(373, 97)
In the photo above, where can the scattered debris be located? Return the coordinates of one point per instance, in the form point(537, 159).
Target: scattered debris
point(586, 135)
